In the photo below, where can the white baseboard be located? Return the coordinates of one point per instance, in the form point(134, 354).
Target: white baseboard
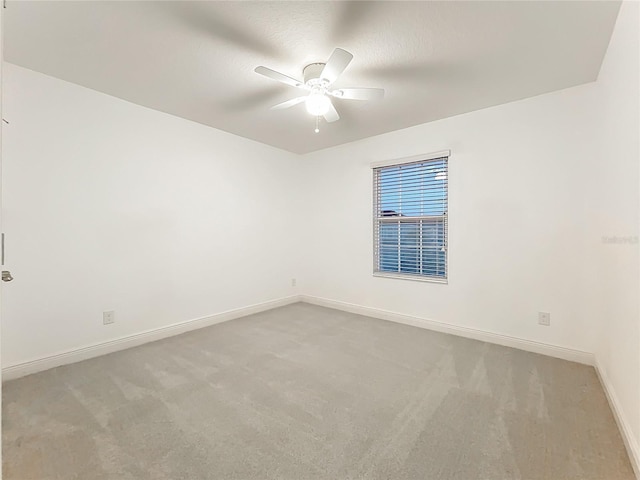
point(536, 347)
point(490, 337)
point(627, 436)
point(91, 351)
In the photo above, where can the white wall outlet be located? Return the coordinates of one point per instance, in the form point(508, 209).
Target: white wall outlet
point(293, 282)
point(544, 318)
point(108, 317)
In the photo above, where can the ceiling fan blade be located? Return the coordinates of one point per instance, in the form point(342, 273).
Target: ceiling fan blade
point(288, 103)
point(336, 64)
point(332, 114)
point(280, 77)
point(359, 93)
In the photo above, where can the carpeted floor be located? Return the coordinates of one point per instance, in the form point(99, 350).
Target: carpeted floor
point(304, 392)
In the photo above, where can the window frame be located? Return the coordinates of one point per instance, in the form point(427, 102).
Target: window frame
point(376, 219)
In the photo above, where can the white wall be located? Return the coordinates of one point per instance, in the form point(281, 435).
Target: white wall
point(113, 206)
point(616, 216)
point(516, 213)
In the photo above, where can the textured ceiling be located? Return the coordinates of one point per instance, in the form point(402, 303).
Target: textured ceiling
point(196, 59)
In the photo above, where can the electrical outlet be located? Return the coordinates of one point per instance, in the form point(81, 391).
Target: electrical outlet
point(544, 318)
point(108, 317)
point(293, 282)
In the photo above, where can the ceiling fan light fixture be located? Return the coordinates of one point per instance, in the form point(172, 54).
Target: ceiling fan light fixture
point(318, 79)
point(317, 103)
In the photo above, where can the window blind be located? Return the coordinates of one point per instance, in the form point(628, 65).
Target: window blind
point(410, 219)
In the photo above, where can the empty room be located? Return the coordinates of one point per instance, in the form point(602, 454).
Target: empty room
point(294, 240)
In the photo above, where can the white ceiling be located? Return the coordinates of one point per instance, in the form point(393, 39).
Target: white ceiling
point(196, 59)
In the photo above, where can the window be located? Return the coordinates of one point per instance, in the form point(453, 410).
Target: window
point(410, 218)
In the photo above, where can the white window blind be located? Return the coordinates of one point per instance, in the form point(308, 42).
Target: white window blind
point(410, 219)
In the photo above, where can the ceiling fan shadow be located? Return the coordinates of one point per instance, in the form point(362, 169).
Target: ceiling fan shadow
point(416, 71)
point(199, 17)
point(264, 96)
point(351, 16)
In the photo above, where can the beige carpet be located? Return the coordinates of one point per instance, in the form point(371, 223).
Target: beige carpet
point(304, 392)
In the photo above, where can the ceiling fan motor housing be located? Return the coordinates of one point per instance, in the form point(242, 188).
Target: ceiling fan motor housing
point(312, 74)
point(318, 78)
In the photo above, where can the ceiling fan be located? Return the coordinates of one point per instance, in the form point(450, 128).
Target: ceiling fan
point(318, 79)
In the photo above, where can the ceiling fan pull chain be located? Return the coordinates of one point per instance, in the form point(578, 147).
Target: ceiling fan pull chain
point(318, 77)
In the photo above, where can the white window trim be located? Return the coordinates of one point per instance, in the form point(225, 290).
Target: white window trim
point(401, 161)
point(413, 278)
point(412, 159)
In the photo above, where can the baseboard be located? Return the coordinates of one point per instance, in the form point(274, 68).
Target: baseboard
point(490, 337)
point(625, 431)
point(91, 351)
point(536, 347)
point(96, 350)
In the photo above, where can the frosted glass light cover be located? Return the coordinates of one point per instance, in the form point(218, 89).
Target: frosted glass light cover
point(317, 104)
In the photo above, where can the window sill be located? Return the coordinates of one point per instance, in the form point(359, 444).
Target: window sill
point(415, 278)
